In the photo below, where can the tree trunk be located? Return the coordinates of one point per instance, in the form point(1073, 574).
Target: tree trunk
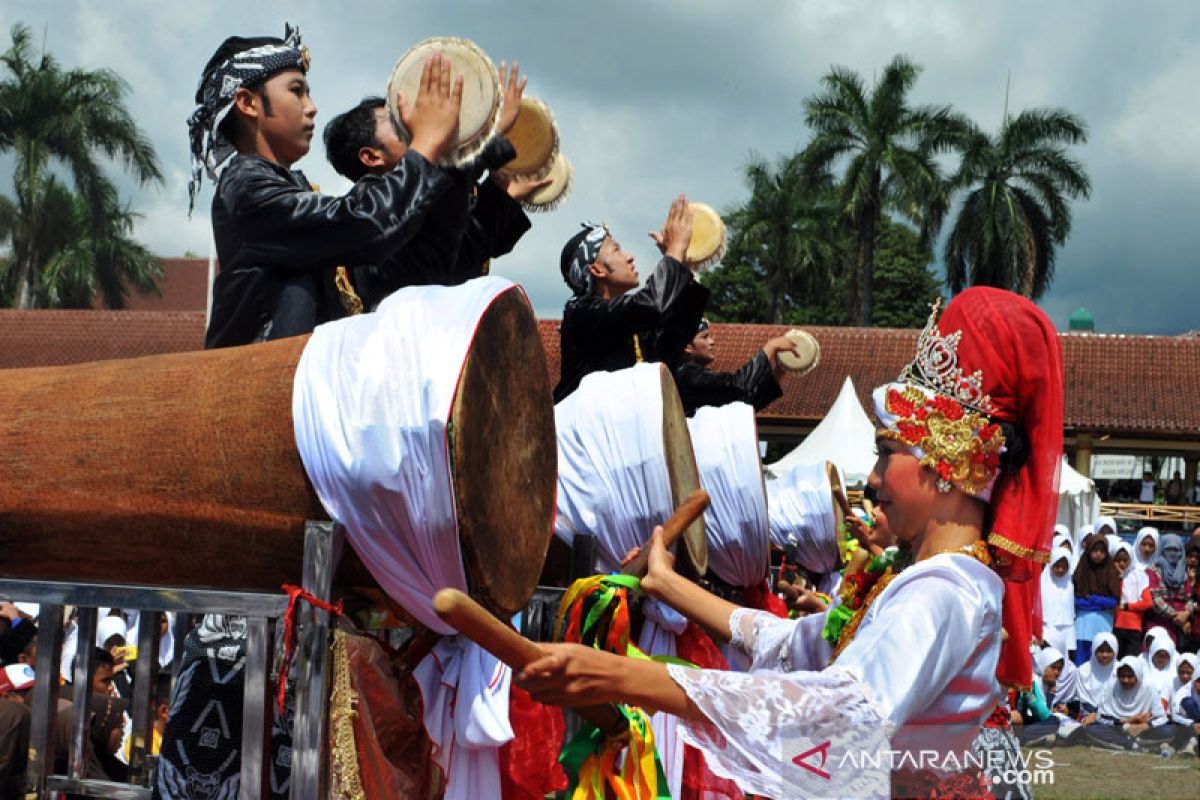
point(868, 232)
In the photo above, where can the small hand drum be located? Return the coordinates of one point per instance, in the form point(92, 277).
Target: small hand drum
point(535, 137)
point(708, 237)
point(553, 195)
point(481, 100)
point(808, 354)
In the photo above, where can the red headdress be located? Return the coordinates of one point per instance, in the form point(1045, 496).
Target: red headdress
point(993, 356)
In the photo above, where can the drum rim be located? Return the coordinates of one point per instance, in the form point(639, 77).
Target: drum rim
point(561, 197)
point(802, 370)
point(695, 536)
point(470, 149)
point(706, 262)
point(544, 170)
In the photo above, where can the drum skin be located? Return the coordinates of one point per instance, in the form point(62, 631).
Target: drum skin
point(182, 469)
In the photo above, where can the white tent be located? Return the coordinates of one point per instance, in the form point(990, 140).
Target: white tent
point(846, 437)
point(1078, 504)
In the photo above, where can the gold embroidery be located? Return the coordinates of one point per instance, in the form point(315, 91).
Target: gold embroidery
point(346, 783)
point(350, 299)
point(1004, 543)
point(637, 348)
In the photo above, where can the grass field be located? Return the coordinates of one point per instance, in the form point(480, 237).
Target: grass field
point(1085, 773)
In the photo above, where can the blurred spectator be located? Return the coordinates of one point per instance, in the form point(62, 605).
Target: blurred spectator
point(1174, 491)
point(16, 680)
point(1149, 489)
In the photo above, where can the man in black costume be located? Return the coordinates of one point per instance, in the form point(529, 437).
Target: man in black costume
point(609, 323)
point(279, 242)
point(756, 383)
point(470, 224)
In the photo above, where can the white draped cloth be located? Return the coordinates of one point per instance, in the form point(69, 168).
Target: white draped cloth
point(800, 508)
point(920, 672)
point(613, 483)
point(725, 441)
point(1058, 603)
point(372, 400)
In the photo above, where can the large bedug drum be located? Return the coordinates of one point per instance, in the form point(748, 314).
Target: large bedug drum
point(806, 505)
point(183, 469)
point(625, 462)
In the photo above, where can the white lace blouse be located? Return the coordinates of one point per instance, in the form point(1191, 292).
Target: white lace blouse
point(919, 675)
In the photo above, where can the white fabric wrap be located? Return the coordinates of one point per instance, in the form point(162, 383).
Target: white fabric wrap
point(613, 483)
point(372, 400)
point(920, 673)
point(800, 505)
point(725, 441)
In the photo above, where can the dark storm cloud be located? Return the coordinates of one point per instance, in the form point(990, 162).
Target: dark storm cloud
point(658, 98)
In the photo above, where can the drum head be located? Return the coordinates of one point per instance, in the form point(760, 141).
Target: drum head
point(807, 355)
point(480, 112)
point(553, 195)
point(504, 456)
point(535, 138)
point(682, 471)
point(708, 237)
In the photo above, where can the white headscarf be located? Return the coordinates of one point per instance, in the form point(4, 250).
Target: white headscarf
point(1095, 679)
point(1145, 563)
point(1103, 522)
point(1058, 594)
point(1067, 688)
point(1064, 540)
point(1160, 680)
point(1081, 536)
point(109, 627)
point(1151, 635)
point(1184, 692)
point(1177, 684)
point(1121, 703)
point(1115, 543)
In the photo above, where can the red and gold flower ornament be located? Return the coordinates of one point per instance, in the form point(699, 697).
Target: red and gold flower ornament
point(942, 415)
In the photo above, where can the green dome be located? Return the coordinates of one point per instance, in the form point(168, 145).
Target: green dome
point(1081, 320)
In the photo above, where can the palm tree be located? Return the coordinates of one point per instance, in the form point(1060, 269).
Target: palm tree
point(1015, 212)
point(892, 150)
point(787, 229)
point(73, 117)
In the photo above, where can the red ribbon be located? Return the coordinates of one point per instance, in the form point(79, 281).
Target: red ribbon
point(296, 594)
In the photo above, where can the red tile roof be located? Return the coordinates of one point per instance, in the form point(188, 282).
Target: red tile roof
point(1146, 386)
point(184, 287)
point(57, 338)
point(1137, 385)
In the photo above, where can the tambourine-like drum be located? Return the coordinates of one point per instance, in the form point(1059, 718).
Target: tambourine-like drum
point(725, 440)
point(806, 506)
point(708, 237)
point(625, 462)
point(184, 469)
point(535, 138)
point(481, 99)
point(807, 355)
point(555, 193)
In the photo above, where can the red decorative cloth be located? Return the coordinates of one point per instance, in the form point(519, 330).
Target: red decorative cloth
point(699, 782)
point(529, 768)
point(1015, 346)
point(761, 597)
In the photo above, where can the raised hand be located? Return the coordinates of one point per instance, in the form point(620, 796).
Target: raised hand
point(676, 235)
point(432, 118)
point(513, 87)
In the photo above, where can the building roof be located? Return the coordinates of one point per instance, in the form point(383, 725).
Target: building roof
point(1144, 386)
point(1117, 384)
point(184, 287)
point(58, 338)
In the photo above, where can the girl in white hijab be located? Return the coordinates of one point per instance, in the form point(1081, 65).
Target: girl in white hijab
point(1058, 602)
point(1064, 540)
point(1185, 676)
point(1131, 716)
point(1135, 601)
point(1097, 676)
point(1144, 558)
point(1158, 665)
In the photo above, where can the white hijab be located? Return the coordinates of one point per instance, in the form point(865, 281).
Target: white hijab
point(1160, 680)
point(1136, 579)
point(1105, 522)
point(1067, 688)
point(1064, 540)
point(1095, 679)
point(1121, 703)
point(1058, 593)
point(1177, 684)
point(1145, 563)
point(1184, 692)
point(1151, 635)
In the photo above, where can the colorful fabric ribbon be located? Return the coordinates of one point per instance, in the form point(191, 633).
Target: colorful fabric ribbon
point(590, 761)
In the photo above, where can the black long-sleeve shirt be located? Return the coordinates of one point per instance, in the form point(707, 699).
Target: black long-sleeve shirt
point(598, 335)
point(279, 242)
point(754, 383)
point(470, 224)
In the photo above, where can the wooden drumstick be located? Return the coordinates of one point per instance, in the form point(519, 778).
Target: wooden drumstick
point(477, 624)
point(673, 528)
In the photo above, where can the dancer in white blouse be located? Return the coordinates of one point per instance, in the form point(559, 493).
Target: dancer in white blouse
point(969, 448)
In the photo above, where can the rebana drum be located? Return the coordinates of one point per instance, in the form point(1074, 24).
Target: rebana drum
point(725, 440)
point(535, 138)
point(481, 100)
point(805, 508)
point(708, 243)
point(555, 193)
point(625, 462)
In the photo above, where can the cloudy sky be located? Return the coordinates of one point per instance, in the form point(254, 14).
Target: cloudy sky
point(656, 98)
